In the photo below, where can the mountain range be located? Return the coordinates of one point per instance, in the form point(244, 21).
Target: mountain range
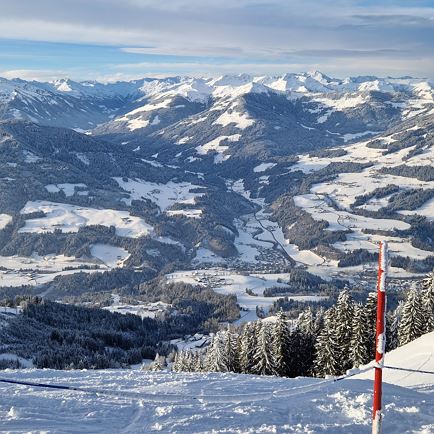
point(247, 172)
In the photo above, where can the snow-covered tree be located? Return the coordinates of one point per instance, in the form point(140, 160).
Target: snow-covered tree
point(359, 344)
point(428, 301)
point(412, 323)
point(264, 363)
point(216, 358)
point(327, 360)
point(158, 364)
point(319, 320)
point(370, 313)
point(247, 348)
point(231, 351)
point(281, 345)
point(343, 327)
point(306, 321)
point(392, 324)
point(178, 363)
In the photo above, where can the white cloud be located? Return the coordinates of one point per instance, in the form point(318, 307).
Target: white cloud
point(276, 33)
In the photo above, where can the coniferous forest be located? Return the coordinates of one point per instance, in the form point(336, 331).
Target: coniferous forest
point(320, 343)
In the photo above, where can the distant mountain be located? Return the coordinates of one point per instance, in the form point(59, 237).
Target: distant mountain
point(245, 172)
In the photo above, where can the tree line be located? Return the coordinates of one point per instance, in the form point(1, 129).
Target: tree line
point(327, 342)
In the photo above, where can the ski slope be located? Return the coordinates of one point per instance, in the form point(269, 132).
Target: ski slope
point(417, 355)
point(144, 402)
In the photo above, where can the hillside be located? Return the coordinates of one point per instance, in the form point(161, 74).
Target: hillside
point(137, 401)
point(245, 177)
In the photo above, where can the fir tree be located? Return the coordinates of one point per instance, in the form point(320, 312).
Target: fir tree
point(392, 324)
point(359, 344)
point(428, 301)
point(231, 351)
point(370, 313)
point(216, 360)
point(412, 324)
point(264, 363)
point(327, 359)
point(343, 327)
point(306, 322)
point(247, 348)
point(281, 345)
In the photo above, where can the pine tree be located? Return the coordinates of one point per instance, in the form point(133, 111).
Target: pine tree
point(370, 313)
point(281, 345)
point(319, 320)
point(327, 359)
point(247, 348)
point(216, 360)
point(178, 364)
point(264, 363)
point(231, 350)
point(359, 353)
point(306, 322)
point(428, 301)
point(344, 314)
point(392, 324)
point(412, 324)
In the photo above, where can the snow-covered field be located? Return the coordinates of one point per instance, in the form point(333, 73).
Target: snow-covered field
point(230, 282)
point(134, 401)
point(110, 255)
point(69, 218)
point(164, 195)
point(36, 270)
point(143, 310)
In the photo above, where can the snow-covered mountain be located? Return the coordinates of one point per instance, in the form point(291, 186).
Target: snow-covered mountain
point(153, 104)
point(246, 172)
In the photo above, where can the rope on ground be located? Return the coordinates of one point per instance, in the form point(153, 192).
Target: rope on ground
point(114, 393)
point(408, 370)
point(174, 397)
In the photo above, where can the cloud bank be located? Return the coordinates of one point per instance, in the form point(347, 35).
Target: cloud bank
point(208, 36)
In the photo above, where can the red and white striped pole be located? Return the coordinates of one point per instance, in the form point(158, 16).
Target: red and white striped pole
point(380, 339)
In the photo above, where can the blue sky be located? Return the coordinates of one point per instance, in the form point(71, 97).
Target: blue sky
point(112, 39)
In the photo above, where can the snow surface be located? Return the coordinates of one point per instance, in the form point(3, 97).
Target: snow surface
point(164, 195)
point(68, 189)
point(225, 281)
point(417, 355)
point(69, 218)
point(110, 255)
point(216, 146)
point(241, 120)
point(5, 219)
point(263, 167)
point(144, 402)
point(35, 269)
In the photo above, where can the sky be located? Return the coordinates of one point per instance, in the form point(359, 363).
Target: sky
point(111, 40)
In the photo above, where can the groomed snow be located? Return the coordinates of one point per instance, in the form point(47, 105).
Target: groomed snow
point(212, 403)
point(417, 355)
point(69, 218)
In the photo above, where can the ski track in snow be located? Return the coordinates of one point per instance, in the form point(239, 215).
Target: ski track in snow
point(144, 402)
